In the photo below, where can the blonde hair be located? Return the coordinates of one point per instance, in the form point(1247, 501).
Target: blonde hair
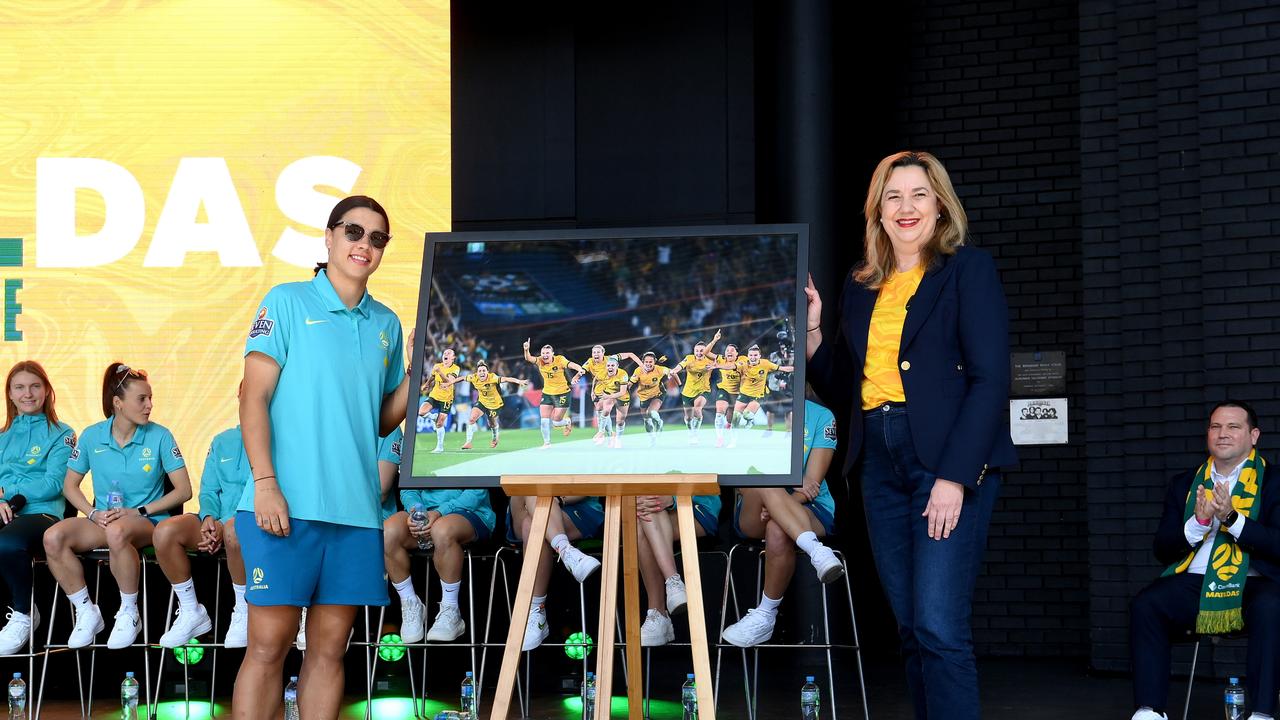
point(879, 263)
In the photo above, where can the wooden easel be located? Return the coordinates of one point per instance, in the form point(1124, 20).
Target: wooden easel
point(619, 492)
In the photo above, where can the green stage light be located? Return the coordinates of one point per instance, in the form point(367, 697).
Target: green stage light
point(392, 708)
point(189, 654)
point(391, 647)
point(578, 645)
point(658, 709)
point(177, 710)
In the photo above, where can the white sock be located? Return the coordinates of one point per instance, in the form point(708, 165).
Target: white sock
point(546, 430)
point(239, 592)
point(808, 542)
point(599, 420)
point(560, 542)
point(606, 426)
point(538, 601)
point(720, 423)
point(405, 589)
point(186, 592)
point(439, 436)
point(129, 601)
point(768, 604)
point(449, 592)
point(654, 414)
point(471, 431)
point(80, 598)
point(561, 422)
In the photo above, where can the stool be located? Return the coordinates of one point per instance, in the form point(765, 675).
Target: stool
point(521, 698)
point(724, 599)
point(101, 557)
point(752, 683)
point(373, 643)
point(1195, 656)
point(220, 558)
point(31, 652)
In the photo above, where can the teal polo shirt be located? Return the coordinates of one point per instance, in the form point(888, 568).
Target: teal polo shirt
point(33, 463)
point(819, 432)
point(336, 366)
point(447, 501)
point(139, 467)
point(226, 473)
point(389, 452)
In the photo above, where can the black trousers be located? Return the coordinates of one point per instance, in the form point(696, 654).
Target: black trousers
point(1166, 609)
point(20, 540)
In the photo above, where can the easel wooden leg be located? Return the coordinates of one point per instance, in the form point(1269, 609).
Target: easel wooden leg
point(520, 612)
point(631, 592)
point(697, 619)
point(608, 602)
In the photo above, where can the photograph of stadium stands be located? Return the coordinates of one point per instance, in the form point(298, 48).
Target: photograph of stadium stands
point(596, 354)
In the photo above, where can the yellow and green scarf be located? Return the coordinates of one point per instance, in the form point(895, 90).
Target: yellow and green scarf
point(1222, 595)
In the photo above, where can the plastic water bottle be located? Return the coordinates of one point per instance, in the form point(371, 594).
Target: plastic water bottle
point(589, 696)
point(129, 697)
point(115, 498)
point(689, 698)
point(809, 699)
point(291, 699)
point(418, 517)
point(1233, 705)
point(17, 698)
point(467, 702)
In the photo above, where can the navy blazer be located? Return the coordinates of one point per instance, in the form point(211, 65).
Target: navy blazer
point(1260, 536)
point(954, 363)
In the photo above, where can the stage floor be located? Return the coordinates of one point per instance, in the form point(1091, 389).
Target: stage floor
point(1012, 688)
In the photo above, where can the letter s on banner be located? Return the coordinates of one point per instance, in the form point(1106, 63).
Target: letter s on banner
point(57, 180)
point(299, 200)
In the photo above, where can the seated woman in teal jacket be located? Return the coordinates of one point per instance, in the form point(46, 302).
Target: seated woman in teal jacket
point(34, 448)
point(454, 518)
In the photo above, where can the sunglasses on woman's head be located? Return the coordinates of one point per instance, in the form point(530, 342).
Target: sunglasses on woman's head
point(127, 373)
point(354, 232)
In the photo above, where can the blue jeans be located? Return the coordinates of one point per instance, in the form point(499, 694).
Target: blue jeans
point(929, 583)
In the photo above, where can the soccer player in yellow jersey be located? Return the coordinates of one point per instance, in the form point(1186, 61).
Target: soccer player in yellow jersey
point(490, 400)
point(440, 399)
point(726, 391)
point(615, 392)
point(595, 367)
point(755, 372)
point(697, 388)
point(555, 389)
point(647, 381)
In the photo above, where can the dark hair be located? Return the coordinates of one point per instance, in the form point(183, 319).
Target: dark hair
point(115, 381)
point(649, 355)
point(346, 204)
point(547, 347)
point(1246, 407)
point(11, 410)
point(731, 345)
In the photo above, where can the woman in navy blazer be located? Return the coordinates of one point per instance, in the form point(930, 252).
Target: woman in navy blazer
point(931, 436)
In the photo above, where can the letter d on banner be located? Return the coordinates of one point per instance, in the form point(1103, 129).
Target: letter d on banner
point(57, 180)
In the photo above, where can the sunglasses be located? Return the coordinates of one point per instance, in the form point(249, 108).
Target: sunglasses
point(127, 373)
point(354, 232)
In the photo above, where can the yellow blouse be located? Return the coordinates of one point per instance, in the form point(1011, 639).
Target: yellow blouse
point(881, 381)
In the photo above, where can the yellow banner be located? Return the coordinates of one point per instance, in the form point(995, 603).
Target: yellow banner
point(166, 163)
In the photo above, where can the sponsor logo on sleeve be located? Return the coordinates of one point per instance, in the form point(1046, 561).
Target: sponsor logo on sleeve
point(829, 432)
point(263, 325)
point(176, 452)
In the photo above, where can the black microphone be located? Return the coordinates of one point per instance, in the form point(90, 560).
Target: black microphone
point(17, 503)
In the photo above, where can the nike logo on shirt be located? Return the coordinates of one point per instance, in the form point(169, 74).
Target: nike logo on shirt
point(98, 450)
point(224, 459)
point(315, 322)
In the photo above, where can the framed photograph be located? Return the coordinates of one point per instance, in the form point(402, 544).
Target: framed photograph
point(609, 352)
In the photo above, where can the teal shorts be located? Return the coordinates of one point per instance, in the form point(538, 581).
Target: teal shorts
point(318, 563)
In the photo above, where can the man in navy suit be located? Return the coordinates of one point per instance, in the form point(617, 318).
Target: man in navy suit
point(1202, 567)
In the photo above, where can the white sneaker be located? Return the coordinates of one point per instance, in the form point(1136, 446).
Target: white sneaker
point(754, 628)
point(125, 630)
point(656, 630)
point(238, 629)
point(187, 625)
point(536, 630)
point(88, 624)
point(579, 563)
point(1149, 714)
point(826, 564)
point(300, 642)
point(412, 617)
point(448, 625)
point(17, 631)
point(676, 595)
point(437, 450)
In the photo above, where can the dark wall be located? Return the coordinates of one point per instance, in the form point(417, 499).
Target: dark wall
point(1180, 130)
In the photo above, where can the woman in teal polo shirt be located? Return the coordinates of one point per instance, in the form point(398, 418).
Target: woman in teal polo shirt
point(34, 448)
point(130, 455)
point(226, 473)
point(324, 378)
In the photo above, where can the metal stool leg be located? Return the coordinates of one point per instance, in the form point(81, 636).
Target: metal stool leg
point(1191, 679)
point(857, 643)
point(220, 565)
